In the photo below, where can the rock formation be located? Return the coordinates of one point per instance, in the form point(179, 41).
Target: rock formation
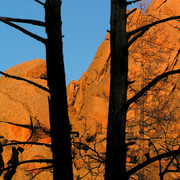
point(24, 116)
point(21, 102)
point(156, 52)
point(158, 49)
point(24, 108)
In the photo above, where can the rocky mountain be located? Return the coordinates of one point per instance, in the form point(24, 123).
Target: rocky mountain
point(24, 108)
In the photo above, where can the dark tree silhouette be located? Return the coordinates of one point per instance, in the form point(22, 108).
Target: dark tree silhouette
point(118, 105)
point(59, 121)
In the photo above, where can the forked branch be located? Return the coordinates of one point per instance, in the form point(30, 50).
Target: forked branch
point(38, 38)
point(136, 37)
point(28, 21)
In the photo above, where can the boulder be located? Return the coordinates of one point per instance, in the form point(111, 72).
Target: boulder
point(22, 104)
point(25, 117)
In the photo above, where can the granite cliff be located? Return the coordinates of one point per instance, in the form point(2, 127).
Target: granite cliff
point(156, 52)
point(24, 108)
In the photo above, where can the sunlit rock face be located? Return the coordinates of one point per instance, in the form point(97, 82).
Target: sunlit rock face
point(24, 117)
point(151, 55)
point(21, 103)
point(157, 50)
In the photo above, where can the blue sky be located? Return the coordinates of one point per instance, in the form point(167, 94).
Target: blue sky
point(85, 23)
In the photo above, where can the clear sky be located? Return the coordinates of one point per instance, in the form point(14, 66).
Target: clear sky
point(85, 23)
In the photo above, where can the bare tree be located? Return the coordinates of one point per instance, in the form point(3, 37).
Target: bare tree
point(59, 121)
point(118, 105)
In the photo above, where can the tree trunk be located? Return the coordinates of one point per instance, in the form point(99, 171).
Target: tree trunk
point(59, 121)
point(116, 146)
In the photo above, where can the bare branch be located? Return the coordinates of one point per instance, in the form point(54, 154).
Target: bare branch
point(28, 21)
point(83, 146)
point(26, 80)
point(38, 38)
point(130, 12)
point(32, 129)
point(19, 125)
point(166, 169)
point(136, 37)
point(151, 160)
point(131, 2)
point(42, 168)
point(24, 126)
point(32, 143)
point(28, 161)
point(151, 84)
point(152, 24)
point(39, 2)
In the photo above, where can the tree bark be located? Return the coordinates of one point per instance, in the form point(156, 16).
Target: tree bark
point(116, 146)
point(59, 121)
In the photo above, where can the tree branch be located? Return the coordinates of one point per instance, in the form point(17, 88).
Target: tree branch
point(151, 160)
point(28, 21)
point(39, 2)
point(130, 12)
point(26, 80)
point(137, 36)
point(166, 169)
point(38, 38)
point(152, 24)
point(131, 2)
point(151, 84)
point(28, 161)
point(32, 143)
point(19, 125)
